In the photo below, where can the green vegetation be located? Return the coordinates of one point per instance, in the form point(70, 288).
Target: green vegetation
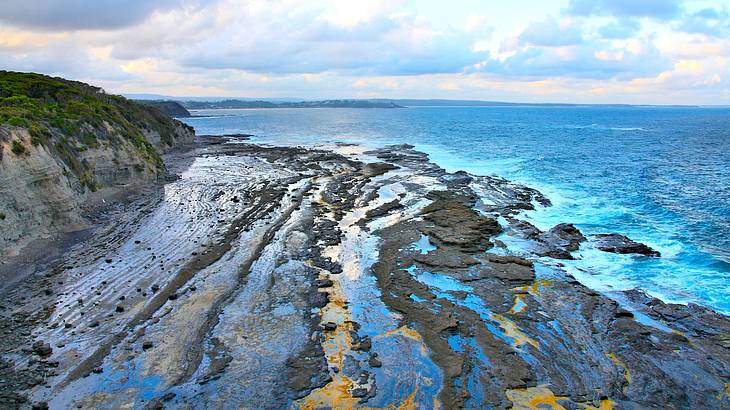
point(17, 147)
point(69, 117)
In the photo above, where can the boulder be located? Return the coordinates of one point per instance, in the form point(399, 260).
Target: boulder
point(616, 243)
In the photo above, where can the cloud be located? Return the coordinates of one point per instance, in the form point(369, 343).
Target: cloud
point(597, 60)
point(660, 9)
point(52, 15)
point(549, 33)
point(602, 50)
point(264, 38)
point(620, 29)
point(709, 21)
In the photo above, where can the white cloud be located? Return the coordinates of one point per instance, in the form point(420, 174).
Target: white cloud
point(606, 50)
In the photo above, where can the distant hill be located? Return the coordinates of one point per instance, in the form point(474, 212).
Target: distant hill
point(171, 108)
point(232, 104)
point(244, 102)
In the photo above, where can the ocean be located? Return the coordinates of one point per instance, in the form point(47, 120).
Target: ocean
point(660, 175)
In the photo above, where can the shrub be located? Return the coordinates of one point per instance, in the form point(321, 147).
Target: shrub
point(17, 147)
point(18, 122)
point(39, 134)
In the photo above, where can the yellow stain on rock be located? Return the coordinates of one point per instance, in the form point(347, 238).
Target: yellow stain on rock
point(337, 394)
point(519, 304)
point(511, 330)
point(725, 394)
point(406, 332)
point(534, 288)
point(618, 362)
point(534, 398)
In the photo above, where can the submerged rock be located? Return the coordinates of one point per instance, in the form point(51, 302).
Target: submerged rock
point(616, 243)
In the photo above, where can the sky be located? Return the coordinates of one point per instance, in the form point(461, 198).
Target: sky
point(578, 51)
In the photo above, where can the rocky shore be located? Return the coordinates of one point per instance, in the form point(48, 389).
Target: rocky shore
point(336, 277)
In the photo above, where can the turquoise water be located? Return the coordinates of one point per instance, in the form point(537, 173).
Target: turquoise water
point(659, 175)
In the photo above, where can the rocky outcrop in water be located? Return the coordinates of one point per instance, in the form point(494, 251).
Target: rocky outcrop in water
point(616, 243)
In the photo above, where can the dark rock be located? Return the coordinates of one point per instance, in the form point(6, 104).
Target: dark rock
point(97, 370)
point(41, 348)
point(616, 243)
point(374, 361)
point(324, 283)
point(359, 392)
point(329, 326)
point(559, 241)
point(119, 309)
point(147, 344)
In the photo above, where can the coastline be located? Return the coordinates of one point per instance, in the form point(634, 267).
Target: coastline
point(329, 246)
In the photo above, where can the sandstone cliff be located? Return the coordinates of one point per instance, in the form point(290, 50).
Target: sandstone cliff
point(64, 145)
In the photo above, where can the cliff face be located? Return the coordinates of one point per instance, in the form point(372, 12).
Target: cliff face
point(170, 108)
point(65, 145)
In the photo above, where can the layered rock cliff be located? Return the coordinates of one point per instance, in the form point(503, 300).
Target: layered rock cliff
point(65, 144)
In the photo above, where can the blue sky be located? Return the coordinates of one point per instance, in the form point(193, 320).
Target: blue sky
point(592, 51)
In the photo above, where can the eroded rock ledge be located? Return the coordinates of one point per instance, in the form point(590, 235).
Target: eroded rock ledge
point(310, 278)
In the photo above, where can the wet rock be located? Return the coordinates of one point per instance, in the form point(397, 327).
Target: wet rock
point(108, 261)
point(382, 210)
point(560, 241)
point(42, 348)
point(454, 223)
point(97, 370)
point(329, 326)
point(147, 344)
point(373, 361)
point(155, 288)
point(119, 309)
point(359, 392)
point(324, 283)
point(616, 243)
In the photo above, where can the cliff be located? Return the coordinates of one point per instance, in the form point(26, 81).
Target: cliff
point(66, 144)
point(170, 108)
